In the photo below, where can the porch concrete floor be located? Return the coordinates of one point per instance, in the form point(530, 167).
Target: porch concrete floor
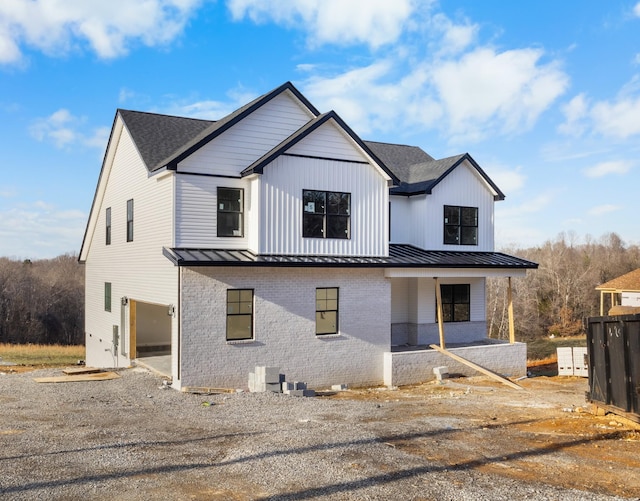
point(157, 362)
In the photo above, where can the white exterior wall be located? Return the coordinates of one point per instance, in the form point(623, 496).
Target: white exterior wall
point(197, 214)
point(284, 326)
point(137, 269)
point(630, 299)
point(419, 220)
point(281, 187)
point(245, 142)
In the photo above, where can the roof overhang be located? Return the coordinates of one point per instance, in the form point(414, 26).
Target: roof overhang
point(401, 257)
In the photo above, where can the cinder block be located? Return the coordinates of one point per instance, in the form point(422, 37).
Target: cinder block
point(252, 381)
point(299, 385)
point(441, 372)
point(580, 362)
point(339, 387)
point(296, 393)
point(286, 386)
point(274, 387)
point(308, 393)
point(565, 361)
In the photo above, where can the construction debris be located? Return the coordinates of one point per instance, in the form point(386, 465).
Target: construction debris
point(269, 379)
point(98, 376)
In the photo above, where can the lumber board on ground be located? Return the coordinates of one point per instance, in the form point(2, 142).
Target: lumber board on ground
point(477, 367)
point(80, 370)
point(99, 376)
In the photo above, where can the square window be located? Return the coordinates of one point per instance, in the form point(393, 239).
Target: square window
point(460, 225)
point(326, 214)
point(456, 302)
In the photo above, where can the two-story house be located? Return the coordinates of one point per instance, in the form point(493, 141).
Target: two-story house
point(276, 236)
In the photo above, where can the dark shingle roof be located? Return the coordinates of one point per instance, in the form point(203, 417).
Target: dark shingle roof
point(400, 256)
point(157, 136)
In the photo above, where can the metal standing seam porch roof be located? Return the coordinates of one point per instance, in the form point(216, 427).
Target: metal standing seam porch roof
point(400, 256)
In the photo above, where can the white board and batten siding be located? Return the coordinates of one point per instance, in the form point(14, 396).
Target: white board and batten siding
point(137, 269)
point(249, 139)
point(419, 220)
point(282, 184)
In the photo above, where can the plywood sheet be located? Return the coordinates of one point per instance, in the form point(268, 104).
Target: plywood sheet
point(100, 376)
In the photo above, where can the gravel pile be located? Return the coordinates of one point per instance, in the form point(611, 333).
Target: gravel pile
point(133, 439)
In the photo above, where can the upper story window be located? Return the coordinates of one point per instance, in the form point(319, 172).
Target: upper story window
point(460, 225)
point(108, 226)
point(107, 296)
point(230, 212)
point(456, 303)
point(130, 220)
point(326, 214)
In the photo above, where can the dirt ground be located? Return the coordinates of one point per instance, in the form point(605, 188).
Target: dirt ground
point(546, 432)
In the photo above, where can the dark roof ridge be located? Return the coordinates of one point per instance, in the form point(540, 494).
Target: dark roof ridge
point(126, 110)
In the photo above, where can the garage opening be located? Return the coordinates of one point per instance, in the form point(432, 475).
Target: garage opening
point(150, 334)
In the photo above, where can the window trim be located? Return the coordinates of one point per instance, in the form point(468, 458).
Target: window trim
point(325, 214)
point(238, 314)
point(459, 225)
point(452, 318)
point(107, 216)
point(224, 211)
point(130, 220)
point(107, 296)
point(327, 309)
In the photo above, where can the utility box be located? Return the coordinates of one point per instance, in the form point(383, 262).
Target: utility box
point(613, 344)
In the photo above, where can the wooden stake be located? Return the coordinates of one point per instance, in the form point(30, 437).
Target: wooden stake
point(440, 314)
point(512, 329)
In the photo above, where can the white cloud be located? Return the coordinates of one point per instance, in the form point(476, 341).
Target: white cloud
point(636, 10)
point(40, 230)
point(599, 210)
point(454, 37)
point(63, 129)
point(109, 27)
point(373, 22)
point(610, 167)
point(507, 179)
point(488, 91)
point(467, 98)
point(616, 118)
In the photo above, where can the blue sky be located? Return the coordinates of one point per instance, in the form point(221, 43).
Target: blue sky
point(544, 95)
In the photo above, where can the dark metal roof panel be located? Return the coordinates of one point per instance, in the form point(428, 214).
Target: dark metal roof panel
point(400, 256)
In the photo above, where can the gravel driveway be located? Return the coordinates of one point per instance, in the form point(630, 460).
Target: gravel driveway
point(132, 439)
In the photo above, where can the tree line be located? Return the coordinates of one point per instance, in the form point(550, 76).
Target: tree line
point(556, 298)
point(43, 301)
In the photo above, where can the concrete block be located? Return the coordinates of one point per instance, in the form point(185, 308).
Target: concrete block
point(286, 386)
point(274, 387)
point(441, 372)
point(296, 393)
point(565, 361)
point(339, 387)
point(252, 381)
point(298, 385)
point(308, 393)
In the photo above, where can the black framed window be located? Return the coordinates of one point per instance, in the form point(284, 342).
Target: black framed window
point(456, 302)
point(130, 220)
point(326, 214)
point(326, 310)
point(239, 314)
point(230, 212)
point(108, 226)
point(460, 225)
point(107, 296)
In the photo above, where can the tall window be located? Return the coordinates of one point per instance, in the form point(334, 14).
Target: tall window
point(130, 220)
point(239, 314)
point(326, 310)
point(230, 212)
point(456, 303)
point(108, 226)
point(107, 296)
point(460, 225)
point(326, 214)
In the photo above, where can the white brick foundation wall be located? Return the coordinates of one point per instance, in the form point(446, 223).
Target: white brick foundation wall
point(411, 367)
point(284, 326)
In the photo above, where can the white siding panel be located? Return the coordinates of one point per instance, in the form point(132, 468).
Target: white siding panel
point(422, 223)
point(138, 269)
point(245, 142)
point(282, 184)
point(327, 142)
point(196, 212)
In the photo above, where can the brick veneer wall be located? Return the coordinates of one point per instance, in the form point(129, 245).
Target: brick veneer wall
point(411, 367)
point(284, 326)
